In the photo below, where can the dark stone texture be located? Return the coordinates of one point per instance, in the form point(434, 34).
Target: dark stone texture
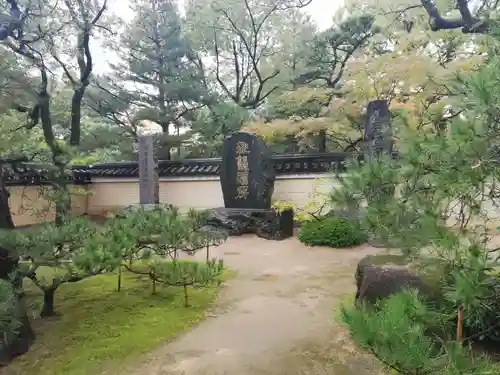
point(268, 224)
point(376, 282)
point(286, 222)
point(247, 173)
point(378, 132)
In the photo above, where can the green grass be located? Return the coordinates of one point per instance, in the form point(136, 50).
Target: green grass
point(100, 328)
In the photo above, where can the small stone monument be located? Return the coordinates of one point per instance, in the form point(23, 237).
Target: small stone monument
point(247, 173)
point(148, 178)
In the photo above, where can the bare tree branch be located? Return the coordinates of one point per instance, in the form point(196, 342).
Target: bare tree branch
point(85, 64)
point(334, 48)
point(466, 22)
point(246, 72)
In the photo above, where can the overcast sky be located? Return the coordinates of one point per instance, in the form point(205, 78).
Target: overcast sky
point(320, 10)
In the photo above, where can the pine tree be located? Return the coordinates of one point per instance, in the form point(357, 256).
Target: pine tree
point(159, 75)
point(401, 336)
point(151, 241)
point(441, 215)
point(187, 273)
point(72, 250)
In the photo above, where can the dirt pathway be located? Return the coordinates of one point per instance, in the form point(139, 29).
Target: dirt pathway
point(274, 318)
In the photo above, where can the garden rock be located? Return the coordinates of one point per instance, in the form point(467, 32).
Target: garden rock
point(268, 224)
point(376, 282)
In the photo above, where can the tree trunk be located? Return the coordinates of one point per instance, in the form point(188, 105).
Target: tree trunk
point(292, 144)
point(179, 147)
point(8, 265)
point(63, 201)
point(6, 221)
point(63, 207)
point(166, 149)
point(58, 178)
point(322, 141)
point(48, 303)
point(460, 325)
point(186, 296)
point(119, 286)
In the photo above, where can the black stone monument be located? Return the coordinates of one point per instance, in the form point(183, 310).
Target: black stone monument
point(247, 173)
point(247, 180)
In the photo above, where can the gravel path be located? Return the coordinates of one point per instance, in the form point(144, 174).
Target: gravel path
point(274, 318)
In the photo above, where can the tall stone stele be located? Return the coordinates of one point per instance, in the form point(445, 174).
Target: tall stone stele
point(378, 129)
point(247, 174)
point(148, 177)
point(378, 141)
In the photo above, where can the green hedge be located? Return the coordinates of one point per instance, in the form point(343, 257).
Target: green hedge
point(333, 232)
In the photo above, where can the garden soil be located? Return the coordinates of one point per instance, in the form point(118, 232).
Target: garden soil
point(275, 317)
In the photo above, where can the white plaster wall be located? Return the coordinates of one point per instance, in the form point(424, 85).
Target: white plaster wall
point(33, 204)
point(109, 194)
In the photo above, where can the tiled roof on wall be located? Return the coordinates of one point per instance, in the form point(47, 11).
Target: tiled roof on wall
point(166, 168)
point(285, 164)
point(38, 174)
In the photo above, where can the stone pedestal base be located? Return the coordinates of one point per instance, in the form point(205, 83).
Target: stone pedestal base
point(268, 224)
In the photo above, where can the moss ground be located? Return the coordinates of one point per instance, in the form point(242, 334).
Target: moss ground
point(99, 328)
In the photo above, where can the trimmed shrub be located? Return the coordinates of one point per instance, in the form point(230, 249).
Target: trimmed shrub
point(333, 232)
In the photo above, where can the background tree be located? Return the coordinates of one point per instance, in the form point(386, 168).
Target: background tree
point(241, 38)
point(409, 70)
point(160, 77)
point(472, 18)
point(33, 47)
point(308, 117)
point(211, 125)
point(295, 32)
point(299, 120)
point(45, 41)
point(442, 216)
